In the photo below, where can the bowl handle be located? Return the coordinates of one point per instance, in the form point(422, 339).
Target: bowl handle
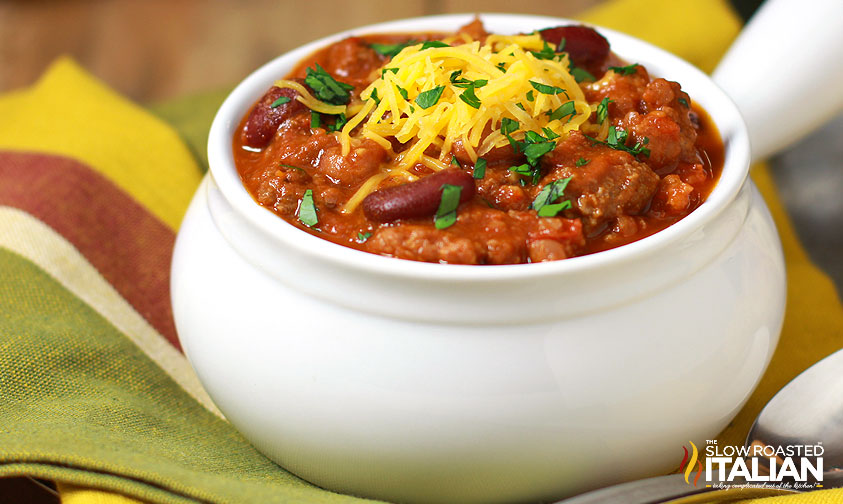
point(785, 71)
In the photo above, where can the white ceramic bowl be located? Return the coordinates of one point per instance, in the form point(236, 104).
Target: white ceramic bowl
point(422, 382)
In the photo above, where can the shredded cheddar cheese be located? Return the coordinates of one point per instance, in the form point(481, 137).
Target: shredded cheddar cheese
point(503, 68)
point(481, 86)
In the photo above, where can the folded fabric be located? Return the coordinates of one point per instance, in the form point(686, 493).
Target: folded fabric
point(94, 391)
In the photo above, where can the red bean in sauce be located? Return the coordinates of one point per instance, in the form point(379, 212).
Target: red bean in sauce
point(416, 199)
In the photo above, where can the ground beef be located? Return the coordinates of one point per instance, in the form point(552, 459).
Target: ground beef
point(611, 184)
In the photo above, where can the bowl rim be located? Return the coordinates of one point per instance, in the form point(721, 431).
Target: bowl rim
point(732, 130)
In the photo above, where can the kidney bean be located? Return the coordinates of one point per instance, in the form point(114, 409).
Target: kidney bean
point(416, 199)
point(264, 120)
point(587, 48)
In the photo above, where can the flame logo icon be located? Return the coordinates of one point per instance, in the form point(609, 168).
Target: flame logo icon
point(688, 465)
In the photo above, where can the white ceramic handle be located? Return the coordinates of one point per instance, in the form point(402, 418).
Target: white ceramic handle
point(785, 71)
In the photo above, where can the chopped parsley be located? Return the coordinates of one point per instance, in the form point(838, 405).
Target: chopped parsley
point(280, 101)
point(446, 214)
point(362, 237)
point(470, 98)
point(617, 140)
point(403, 92)
point(524, 169)
point(550, 134)
point(582, 161)
point(468, 95)
point(282, 165)
point(548, 90)
point(455, 161)
point(544, 204)
point(625, 70)
point(501, 66)
point(566, 109)
point(479, 168)
point(530, 96)
point(326, 88)
point(429, 98)
point(536, 150)
point(509, 126)
point(390, 50)
point(683, 101)
point(603, 109)
point(307, 210)
point(315, 119)
point(338, 123)
point(547, 53)
point(385, 70)
point(581, 75)
point(374, 96)
point(552, 210)
point(433, 43)
point(534, 146)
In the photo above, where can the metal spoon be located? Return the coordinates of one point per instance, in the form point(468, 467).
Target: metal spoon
point(807, 411)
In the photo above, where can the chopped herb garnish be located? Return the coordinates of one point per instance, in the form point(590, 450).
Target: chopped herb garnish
point(582, 161)
point(403, 92)
point(509, 126)
point(383, 72)
point(683, 101)
point(625, 70)
point(315, 119)
point(603, 109)
point(544, 201)
point(470, 98)
point(501, 66)
point(429, 98)
point(362, 237)
point(326, 88)
point(307, 210)
point(550, 134)
point(390, 50)
point(523, 169)
point(374, 96)
point(566, 109)
point(547, 53)
point(617, 140)
point(460, 82)
point(433, 43)
point(479, 168)
point(549, 90)
point(534, 146)
point(412, 109)
point(530, 96)
point(521, 106)
point(455, 161)
point(338, 123)
point(280, 101)
point(282, 165)
point(534, 151)
point(552, 210)
point(446, 215)
point(581, 75)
